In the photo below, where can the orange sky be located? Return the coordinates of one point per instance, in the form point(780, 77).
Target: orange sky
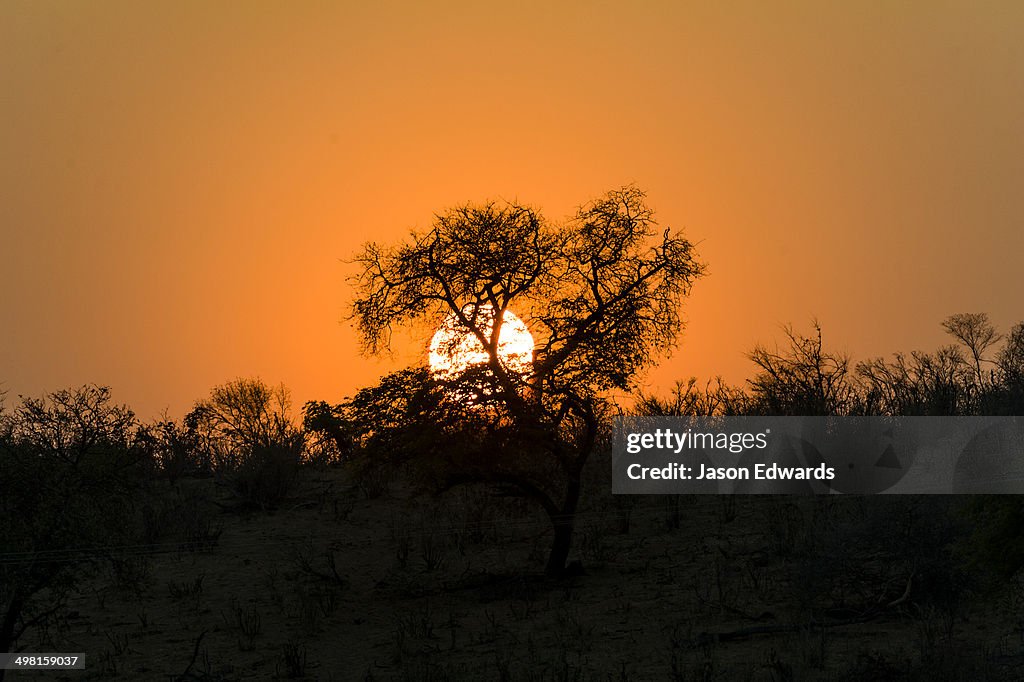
point(179, 182)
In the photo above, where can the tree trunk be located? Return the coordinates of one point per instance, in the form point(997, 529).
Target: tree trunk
point(563, 526)
point(559, 547)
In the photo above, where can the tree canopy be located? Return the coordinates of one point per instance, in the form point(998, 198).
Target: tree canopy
point(600, 293)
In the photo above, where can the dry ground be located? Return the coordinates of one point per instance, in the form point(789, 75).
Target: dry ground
point(336, 585)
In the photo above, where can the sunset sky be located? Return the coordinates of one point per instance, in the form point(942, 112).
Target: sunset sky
point(180, 182)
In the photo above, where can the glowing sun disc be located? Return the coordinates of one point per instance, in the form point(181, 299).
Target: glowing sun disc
point(454, 348)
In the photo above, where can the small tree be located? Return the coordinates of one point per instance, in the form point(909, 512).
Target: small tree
point(1006, 393)
point(329, 434)
point(70, 467)
point(601, 296)
point(802, 378)
point(176, 451)
point(977, 335)
point(1011, 357)
point(245, 430)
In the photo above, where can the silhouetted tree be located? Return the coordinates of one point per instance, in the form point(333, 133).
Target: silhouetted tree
point(176, 451)
point(71, 465)
point(406, 411)
point(240, 415)
point(998, 520)
point(801, 378)
point(1011, 357)
point(1005, 395)
point(918, 384)
point(329, 433)
point(977, 335)
point(245, 430)
point(601, 296)
point(948, 381)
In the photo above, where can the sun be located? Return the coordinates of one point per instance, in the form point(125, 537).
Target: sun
point(454, 348)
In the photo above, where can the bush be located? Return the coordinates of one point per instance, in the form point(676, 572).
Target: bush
point(245, 431)
point(264, 476)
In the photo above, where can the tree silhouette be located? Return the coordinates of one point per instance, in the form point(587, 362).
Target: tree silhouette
point(801, 378)
point(977, 335)
point(329, 434)
point(244, 429)
point(1011, 357)
point(71, 467)
point(918, 384)
point(601, 296)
